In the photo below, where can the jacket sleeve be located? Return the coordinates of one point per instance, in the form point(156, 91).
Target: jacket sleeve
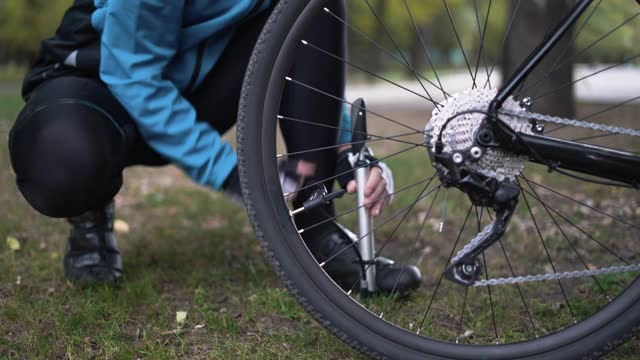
point(139, 40)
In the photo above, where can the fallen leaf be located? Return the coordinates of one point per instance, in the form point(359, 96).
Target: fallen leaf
point(181, 317)
point(19, 280)
point(14, 244)
point(121, 226)
point(199, 326)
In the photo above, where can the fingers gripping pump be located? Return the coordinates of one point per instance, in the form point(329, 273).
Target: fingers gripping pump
point(365, 228)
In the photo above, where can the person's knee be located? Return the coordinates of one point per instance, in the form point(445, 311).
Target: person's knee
point(67, 159)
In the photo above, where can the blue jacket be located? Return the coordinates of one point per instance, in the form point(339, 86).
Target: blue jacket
point(148, 52)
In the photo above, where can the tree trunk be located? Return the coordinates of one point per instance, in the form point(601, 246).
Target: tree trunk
point(417, 55)
point(535, 19)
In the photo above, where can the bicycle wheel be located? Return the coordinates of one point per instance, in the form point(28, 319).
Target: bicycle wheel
point(576, 230)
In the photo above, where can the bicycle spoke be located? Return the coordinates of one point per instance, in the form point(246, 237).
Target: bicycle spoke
point(584, 204)
point(513, 274)
point(593, 115)
point(568, 61)
point(408, 257)
point(504, 40)
point(391, 55)
point(585, 77)
point(369, 140)
point(481, 35)
point(591, 237)
point(406, 210)
point(350, 171)
point(424, 47)
point(390, 236)
point(294, 81)
point(564, 235)
point(435, 292)
point(597, 136)
point(402, 58)
point(571, 42)
point(464, 305)
point(493, 313)
point(366, 204)
point(547, 31)
point(428, 97)
point(546, 251)
point(575, 36)
point(455, 31)
point(486, 275)
point(396, 45)
point(392, 138)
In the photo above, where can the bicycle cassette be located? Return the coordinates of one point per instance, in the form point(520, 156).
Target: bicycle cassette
point(455, 123)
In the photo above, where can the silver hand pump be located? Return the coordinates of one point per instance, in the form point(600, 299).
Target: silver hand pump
point(365, 222)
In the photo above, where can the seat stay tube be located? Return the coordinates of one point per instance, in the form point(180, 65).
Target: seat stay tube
point(537, 55)
point(593, 160)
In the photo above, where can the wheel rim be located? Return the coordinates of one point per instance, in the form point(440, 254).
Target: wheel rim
point(536, 193)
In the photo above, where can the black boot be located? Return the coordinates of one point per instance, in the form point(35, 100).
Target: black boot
point(346, 269)
point(92, 254)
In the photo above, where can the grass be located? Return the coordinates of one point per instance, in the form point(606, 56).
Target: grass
point(189, 249)
point(11, 73)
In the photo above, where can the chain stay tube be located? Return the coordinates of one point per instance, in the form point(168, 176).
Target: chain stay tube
point(588, 159)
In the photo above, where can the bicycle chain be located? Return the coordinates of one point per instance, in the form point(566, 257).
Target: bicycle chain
point(575, 123)
point(557, 276)
point(478, 239)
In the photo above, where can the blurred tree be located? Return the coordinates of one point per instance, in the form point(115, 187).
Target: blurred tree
point(24, 23)
point(534, 21)
point(620, 44)
point(435, 29)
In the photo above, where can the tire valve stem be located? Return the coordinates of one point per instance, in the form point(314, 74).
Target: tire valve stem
point(318, 198)
point(444, 210)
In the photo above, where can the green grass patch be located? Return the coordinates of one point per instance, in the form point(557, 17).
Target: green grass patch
point(192, 250)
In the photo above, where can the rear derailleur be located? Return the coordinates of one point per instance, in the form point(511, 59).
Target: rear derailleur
point(483, 191)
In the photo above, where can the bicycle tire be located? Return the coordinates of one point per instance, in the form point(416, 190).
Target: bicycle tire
point(300, 272)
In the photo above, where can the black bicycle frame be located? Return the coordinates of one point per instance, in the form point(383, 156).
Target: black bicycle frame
point(599, 161)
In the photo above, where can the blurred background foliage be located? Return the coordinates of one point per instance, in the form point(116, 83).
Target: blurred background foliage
point(433, 21)
point(23, 23)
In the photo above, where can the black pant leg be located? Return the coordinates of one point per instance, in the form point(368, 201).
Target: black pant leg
point(325, 74)
point(68, 147)
point(216, 99)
